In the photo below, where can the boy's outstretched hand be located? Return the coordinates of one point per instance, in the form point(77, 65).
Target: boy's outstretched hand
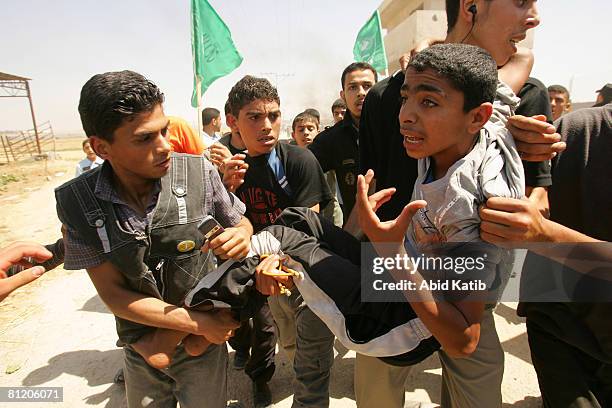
point(375, 229)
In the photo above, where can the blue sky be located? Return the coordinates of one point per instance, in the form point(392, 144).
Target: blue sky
point(302, 46)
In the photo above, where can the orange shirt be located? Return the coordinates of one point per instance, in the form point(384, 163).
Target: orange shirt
point(183, 138)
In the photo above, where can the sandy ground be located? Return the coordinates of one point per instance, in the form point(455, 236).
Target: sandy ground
point(57, 332)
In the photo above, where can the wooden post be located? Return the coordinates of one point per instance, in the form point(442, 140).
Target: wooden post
point(199, 108)
point(27, 84)
point(2, 137)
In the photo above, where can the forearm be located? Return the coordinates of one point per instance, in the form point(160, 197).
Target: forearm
point(539, 196)
point(575, 250)
point(443, 319)
point(558, 233)
point(123, 302)
point(352, 224)
point(149, 311)
point(457, 330)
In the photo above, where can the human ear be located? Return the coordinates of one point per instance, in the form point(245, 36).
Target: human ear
point(479, 116)
point(342, 96)
point(100, 146)
point(230, 120)
point(468, 10)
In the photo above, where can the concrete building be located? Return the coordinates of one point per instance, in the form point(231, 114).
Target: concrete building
point(407, 22)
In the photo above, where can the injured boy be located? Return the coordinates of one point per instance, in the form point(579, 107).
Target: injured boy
point(465, 156)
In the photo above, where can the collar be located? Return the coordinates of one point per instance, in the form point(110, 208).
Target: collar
point(105, 189)
point(264, 158)
point(347, 122)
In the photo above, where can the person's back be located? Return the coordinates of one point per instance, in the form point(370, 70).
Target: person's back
point(182, 137)
point(570, 362)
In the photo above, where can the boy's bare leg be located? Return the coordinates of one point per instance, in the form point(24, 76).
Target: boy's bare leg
point(157, 347)
point(195, 345)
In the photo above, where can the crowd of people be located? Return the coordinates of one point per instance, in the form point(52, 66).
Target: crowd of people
point(459, 146)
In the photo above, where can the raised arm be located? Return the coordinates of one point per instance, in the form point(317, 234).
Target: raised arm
point(456, 325)
point(517, 69)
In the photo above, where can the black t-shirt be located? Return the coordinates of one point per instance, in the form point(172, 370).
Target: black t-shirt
point(226, 141)
point(581, 199)
point(262, 194)
point(336, 149)
point(535, 101)
point(382, 150)
point(381, 145)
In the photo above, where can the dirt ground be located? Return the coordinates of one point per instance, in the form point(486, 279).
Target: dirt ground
point(56, 331)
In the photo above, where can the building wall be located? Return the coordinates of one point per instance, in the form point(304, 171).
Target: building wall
point(408, 22)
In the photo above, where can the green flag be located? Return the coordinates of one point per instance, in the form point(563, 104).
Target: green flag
point(369, 46)
point(214, 52)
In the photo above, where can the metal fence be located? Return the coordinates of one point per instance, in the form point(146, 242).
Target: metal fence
point(21, 144)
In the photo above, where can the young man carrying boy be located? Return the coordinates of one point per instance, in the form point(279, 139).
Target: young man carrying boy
point(132, 223)
point(272, 177)
point(447, 98)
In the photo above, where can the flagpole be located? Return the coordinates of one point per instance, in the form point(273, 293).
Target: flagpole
point(199, 108)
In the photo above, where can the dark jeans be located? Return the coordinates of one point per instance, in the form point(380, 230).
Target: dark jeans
point(568, 377)
point(259, 336)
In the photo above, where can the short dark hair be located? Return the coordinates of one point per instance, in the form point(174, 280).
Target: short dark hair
point(86, 141)
point(357, 66)
point(208, 114)
point(468, 68)
point(226, 108)
point(452, 13)
point(559, 89)
point(338, 103)
point(313, 112)
point(109, 99)
point(302, 117)
point(250, 89)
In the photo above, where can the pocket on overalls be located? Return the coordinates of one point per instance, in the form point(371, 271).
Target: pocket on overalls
point(182, 273)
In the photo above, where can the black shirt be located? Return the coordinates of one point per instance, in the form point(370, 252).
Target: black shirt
point(381, 145)
point(581, 199)
point(337, 149)
point(382, 150)
point(262, 194)
point(535, 101)
point(226, 141)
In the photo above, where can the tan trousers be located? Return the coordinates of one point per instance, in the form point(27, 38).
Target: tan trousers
point(466, 382)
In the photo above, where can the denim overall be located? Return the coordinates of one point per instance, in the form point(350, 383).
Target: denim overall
point(163, 262)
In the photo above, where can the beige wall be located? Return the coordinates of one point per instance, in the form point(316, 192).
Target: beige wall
point(410, 21)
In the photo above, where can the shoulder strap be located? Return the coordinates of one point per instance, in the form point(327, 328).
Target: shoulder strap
point(279, 171)
point(90, 207)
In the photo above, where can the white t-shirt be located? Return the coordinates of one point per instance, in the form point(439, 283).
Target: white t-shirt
point(87, 164)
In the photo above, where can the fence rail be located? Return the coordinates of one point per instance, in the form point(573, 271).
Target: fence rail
point(21, 144)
